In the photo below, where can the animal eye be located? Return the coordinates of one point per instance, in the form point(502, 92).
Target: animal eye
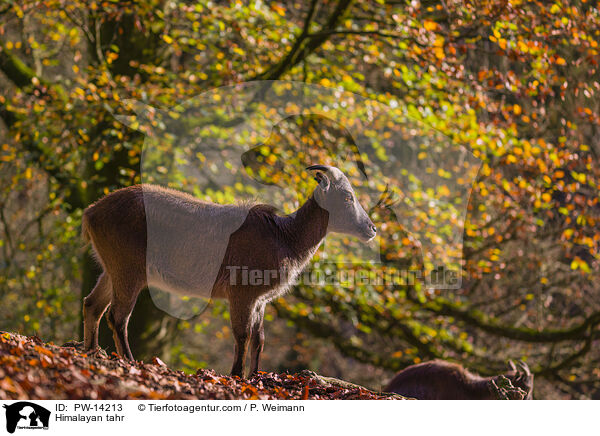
point(349, 198)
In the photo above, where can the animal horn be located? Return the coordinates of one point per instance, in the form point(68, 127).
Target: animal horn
point(524, 367)
point(318, 167)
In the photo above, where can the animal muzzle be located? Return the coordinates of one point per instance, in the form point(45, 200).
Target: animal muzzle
point(369, 233)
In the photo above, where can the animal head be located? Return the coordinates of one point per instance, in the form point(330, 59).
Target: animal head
point(336, 196)
point(521, 377)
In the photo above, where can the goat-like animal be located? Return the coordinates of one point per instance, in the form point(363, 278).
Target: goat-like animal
point(441, 380)
point(185, 260)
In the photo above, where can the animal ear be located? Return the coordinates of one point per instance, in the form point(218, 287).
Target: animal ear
point(512, 366)
point(323, 181)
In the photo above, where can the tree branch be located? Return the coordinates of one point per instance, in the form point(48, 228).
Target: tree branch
point(306, 43)
point(22, 75)
point(493, 326)
point(345, 346)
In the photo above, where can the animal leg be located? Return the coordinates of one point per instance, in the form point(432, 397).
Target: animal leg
point(124, 297)
point(94, 306)
point(241, 314)
point(258, 337)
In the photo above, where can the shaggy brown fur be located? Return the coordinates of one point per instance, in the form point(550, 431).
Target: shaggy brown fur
point(440, 380)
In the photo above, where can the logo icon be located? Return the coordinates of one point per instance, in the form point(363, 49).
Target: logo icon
point(26, 415)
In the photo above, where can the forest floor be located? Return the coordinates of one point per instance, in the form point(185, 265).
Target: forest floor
point(32, 369)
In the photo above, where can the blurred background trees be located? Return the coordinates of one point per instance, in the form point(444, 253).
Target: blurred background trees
point(516, 82)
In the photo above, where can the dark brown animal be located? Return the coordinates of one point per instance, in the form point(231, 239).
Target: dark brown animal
point(441, 380)
point(191, 252)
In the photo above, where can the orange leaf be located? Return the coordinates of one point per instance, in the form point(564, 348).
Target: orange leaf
point(517, 109)
point(430, 25)
point(43, 350)
point(305, 393)
point(157, 361)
